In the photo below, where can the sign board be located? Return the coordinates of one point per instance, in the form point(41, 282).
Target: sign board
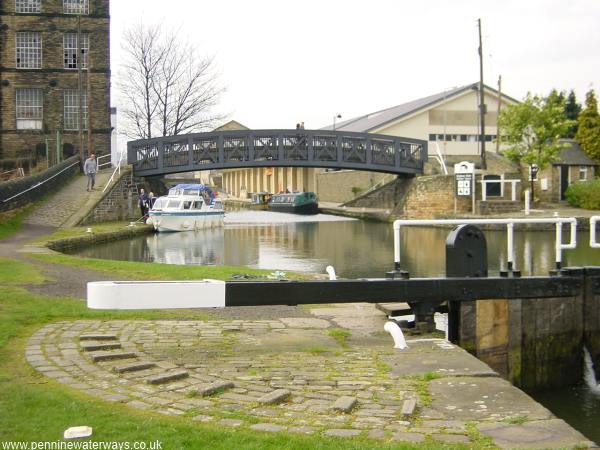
point(463, 176)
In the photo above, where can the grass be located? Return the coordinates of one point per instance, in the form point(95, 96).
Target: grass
point(420, 384)
point(516, 420)
point(341, 335)
point(152, 271)
point(17, 272)
point(11, 221)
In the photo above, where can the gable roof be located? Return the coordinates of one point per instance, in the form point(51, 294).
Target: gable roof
point(372, 121)
point(573, 155)
point(232, 125)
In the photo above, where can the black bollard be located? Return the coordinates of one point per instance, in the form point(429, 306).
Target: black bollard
point(466, 256)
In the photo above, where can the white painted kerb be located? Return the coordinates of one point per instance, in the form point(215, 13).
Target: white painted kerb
point(155, 294)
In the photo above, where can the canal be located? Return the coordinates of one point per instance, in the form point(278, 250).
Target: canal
point(357, 249)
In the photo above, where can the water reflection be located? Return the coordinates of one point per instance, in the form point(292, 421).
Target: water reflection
point(354, 248)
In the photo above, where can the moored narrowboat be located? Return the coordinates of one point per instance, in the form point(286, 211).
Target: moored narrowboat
point(296, 203)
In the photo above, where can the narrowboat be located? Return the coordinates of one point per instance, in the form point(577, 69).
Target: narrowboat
point(187, 207)
point(260, 200)
point(296, 203)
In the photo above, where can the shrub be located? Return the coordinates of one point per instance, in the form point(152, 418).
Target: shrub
point(584, 194)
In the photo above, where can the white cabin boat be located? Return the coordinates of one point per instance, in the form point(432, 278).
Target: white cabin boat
point(187, 207)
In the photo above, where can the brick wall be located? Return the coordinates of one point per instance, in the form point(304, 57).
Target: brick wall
point(55, 176)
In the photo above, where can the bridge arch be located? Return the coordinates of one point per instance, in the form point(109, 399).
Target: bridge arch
point(277, 148)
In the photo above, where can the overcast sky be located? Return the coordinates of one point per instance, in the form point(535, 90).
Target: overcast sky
point(283, 62)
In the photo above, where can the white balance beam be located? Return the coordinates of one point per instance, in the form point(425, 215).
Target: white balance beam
point(155, 294)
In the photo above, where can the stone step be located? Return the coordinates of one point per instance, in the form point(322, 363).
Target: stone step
point(141, 365)
point(274, 397)
point(94, 346)
point(98, 337)
point(108, 356)
point(344, 404)
point(408, 407)
point(215, 387)
point(167, 377)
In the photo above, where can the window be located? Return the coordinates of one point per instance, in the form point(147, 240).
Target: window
point(197, 204)
point(29, 50)
point(75, 6)
point(432, 137)
point(29, 108)
point(583, 173)
point(175, 204)
point(71, 117)
point(70, 49)
point(28, 6)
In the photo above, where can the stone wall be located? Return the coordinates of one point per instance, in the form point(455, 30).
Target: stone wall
point(388, 196)
point(430, 197)
point(118, 203)
point(23, 148)
point(42, 184)
point(336, 186)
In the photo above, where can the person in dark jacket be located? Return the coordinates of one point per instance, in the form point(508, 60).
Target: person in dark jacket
point(143, 203)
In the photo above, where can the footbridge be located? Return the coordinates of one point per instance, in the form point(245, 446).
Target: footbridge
point(277, 148)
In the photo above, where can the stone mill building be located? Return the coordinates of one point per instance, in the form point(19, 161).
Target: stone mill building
point(54, 78)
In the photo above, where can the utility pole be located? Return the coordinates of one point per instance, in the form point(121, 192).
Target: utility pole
point(481, 100)
point(89, 106)
point(498, 117)
point(80, 90)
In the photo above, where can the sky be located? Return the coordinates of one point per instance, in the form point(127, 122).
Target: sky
point(283, 62)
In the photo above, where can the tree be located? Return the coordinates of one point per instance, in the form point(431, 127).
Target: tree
point(588, 132)
point(532, 129)
point(168, 87)
point(572, 110)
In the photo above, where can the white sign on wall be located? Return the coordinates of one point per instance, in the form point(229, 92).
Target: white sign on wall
point(463, 178)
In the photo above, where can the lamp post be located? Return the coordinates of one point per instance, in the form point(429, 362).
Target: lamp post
point(337, 116)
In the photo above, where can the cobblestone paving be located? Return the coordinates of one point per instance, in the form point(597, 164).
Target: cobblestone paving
point(233, 374)
point(68, 200)
point(293, 375)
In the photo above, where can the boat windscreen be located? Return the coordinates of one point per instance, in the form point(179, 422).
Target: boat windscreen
point(159, 204)
point(173, 204)
point(191, 192)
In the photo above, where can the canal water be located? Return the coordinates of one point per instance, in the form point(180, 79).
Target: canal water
point(355, 248)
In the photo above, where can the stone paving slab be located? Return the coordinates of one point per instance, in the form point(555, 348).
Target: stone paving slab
point(302, 383)
point(553, 433)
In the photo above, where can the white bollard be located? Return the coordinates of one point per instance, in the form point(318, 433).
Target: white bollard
point(527, 201)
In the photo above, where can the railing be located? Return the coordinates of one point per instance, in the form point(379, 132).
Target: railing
point(104, 164)
point(117, 169)
point(41, 183)
point(502, 181)
point(510, 223)
point(269, 148)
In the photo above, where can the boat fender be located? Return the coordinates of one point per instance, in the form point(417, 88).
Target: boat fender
point(185, 224)
point(149, 221)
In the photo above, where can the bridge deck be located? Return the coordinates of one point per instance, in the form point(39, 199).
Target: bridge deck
point(277, 148)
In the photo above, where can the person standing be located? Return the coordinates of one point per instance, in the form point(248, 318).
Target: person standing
point(151, 200)
point(143, 202)
point(90, 167)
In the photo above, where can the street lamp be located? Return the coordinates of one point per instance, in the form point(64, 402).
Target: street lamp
point(337, 116)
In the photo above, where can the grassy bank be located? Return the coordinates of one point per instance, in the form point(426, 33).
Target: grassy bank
point(12, 221)
point(36, 408)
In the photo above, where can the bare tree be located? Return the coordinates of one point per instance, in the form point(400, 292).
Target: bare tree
point(168, 86)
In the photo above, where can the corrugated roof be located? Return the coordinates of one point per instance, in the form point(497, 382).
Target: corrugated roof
point(573, 155)
point(377, 119)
